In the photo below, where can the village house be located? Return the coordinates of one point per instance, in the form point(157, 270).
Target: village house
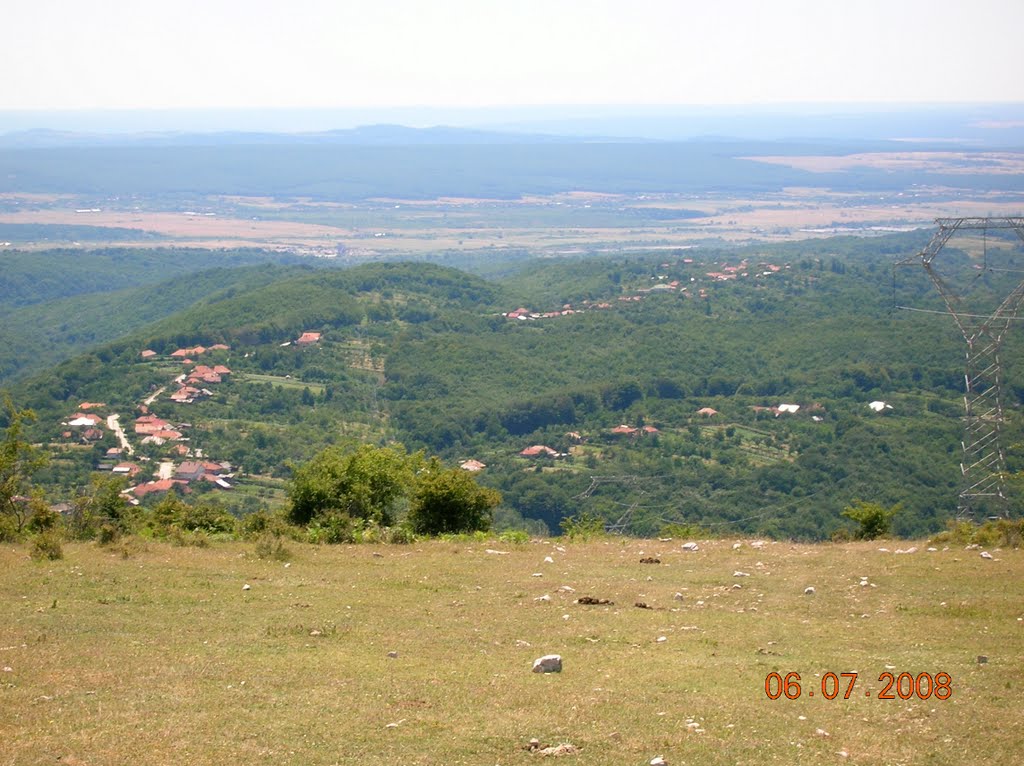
point(307, 338)
point(472, 465)
point(539, 450)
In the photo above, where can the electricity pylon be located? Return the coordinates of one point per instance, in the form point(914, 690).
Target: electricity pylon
point(983, 463)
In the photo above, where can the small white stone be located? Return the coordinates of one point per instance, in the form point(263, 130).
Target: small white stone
point(658, 761)
point(247, 587)
point(821, 733)
point(678, 597)
point(537, 574)
point(738, 573)
point(662, 639)
point(548, 560)
point(393, 655)
point(545, 598)
point(809, 590)
point(690, 546)
point(549, 663)
point(737, 586)
point(566, 589)
point(986, 555)
point(736, 546)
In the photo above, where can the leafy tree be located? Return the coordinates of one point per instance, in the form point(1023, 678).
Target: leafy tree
point(875, 520)
point(102, 505)
point(449, 500)
point(363, 484)
point(19, 460)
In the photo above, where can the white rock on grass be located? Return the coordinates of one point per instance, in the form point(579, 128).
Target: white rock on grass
point(247, 587)
point(549, 663)
point(738, 573)
point(986, 555)
point(548, 560)
point(809, 590)
point(679, 596)
point(545, 598)
point(690, 547)
point(658, 761)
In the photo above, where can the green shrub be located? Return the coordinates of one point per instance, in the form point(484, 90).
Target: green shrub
point(332, 529)
point(188, 539)
point(514, 537)
point(108, 534)
point(680, 531)
point(583, 526)
point(875, 520)
point(400, 535)
point(1002, 533)
point(46, 546)
point(8, 529)
point(258, 523)
point(271, 546)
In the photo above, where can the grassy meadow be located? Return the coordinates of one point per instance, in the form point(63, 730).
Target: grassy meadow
point(146, 653)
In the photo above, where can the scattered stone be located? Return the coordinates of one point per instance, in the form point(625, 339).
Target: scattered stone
point(316, 632)
point(537, 574)
point(566, 748)
point(650, 560)
point(247, 587)
point(545, 598)
point(378, 555)
point(548, 560)
point(883, 550)
point(908, 550)
point(549, 663)
point(986, 555)
point(757, 544)
point(496, 553)
point(392, 655)
point(395, 725)
point(737, 546)
point(591, 601)
point(287, 564)
point(809, 590)
point(821, 733)
point(520, 642)
point(679, 596)
point(642, 605)
point(982, 659)
point(690, 546)
point(737, 586)
point(932, 550)
point(659, 761)
point(738, 573)
point(566, 589)
point(843, 754)
point(661, 639)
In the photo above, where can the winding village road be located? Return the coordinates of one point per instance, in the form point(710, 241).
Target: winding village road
point(113, 423)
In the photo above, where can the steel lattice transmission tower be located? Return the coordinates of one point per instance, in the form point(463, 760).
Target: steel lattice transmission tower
point(983, 465)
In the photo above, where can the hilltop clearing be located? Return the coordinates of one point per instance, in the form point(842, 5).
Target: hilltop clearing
point(396, 654)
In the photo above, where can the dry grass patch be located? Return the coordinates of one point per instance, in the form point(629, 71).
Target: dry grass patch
point(163, 657)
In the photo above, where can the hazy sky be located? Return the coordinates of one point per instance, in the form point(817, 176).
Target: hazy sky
point(115, 54)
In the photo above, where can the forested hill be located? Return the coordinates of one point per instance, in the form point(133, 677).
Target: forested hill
point(654, 384)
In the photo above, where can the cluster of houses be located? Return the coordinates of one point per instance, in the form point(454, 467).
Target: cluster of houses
point(185, 474)
point(663, 285)
point(84, 426)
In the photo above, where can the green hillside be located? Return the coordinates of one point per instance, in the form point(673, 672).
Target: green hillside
point(424, 355)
